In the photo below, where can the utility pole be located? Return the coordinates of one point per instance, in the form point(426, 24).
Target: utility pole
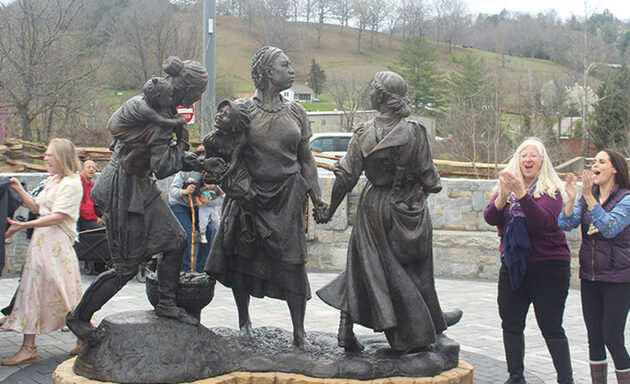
point(208, 100)
point(585, 134)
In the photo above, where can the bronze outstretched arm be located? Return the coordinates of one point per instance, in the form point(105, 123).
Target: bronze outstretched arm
point(338, 193)
point(309, 171)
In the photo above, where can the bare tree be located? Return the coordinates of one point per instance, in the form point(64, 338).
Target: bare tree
point(451, 17)
point(228, 7)
point(349, 92)
point(147, 32)
point(456, 21)
point(343, 12)
point(377, 11)
point(412, 14)
point(41, 58)
point(272, 26)
point(391, 17)
point(188, 36)
point(322, 8)
point(295, 8)
point(362, 19)
point(308, 9)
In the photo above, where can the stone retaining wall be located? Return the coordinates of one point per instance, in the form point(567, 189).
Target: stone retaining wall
point(463, 244)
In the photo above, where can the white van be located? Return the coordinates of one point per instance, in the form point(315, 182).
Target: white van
point(331, 143)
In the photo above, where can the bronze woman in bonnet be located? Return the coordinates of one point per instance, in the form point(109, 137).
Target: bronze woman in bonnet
point(388, 283)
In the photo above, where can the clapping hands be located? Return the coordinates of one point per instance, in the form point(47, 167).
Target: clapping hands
point(511, 183)
point(571, 184)
point(587, 183)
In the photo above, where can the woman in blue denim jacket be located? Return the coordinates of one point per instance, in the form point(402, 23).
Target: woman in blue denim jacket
point(603, 211)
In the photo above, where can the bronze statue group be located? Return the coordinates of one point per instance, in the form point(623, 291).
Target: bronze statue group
point(259, 155)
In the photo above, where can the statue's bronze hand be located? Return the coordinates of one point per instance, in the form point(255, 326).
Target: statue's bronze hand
point(215, 165)
point(321, 213)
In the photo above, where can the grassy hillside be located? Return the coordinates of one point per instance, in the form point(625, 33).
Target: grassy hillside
point(338, 54)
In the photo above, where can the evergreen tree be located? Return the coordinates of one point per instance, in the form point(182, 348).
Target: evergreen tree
point(416, 62)
point(317, 77)
point(469, 83)
point(471, 114)
point(610, 124)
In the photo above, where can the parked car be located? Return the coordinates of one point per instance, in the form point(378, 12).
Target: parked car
point(331, 143)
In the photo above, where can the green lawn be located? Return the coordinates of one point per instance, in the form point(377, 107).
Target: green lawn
point(319, 107)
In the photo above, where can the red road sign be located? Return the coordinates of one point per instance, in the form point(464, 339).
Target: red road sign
point(188, 113)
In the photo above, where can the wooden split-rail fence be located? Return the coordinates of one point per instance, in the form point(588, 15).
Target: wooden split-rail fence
point(18, 155)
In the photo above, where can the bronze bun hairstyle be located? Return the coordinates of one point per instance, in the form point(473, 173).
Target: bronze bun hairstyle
point(392, 89)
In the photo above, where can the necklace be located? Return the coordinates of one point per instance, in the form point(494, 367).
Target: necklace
point(269, 108)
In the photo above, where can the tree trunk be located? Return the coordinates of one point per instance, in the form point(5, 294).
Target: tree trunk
point(319, 34)
point(48, 127)
point(372, 38)
point(25, 122)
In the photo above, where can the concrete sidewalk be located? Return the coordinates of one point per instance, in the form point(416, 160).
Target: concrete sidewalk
point(479, 332)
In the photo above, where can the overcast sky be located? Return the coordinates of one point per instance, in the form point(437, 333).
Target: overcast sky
point(564, 8)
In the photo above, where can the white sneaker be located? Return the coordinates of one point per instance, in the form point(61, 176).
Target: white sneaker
point(203, 239)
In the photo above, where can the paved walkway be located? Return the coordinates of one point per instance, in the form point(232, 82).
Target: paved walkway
point(478, 333)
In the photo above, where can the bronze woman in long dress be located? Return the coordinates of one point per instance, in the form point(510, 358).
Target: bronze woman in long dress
point(283, 173)
point(388, 283)
point(139, 222)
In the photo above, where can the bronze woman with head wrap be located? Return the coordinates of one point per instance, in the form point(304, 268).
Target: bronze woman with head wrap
point(283, 173)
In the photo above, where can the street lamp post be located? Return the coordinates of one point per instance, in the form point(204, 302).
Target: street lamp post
point(585, 133)
point(208, 100)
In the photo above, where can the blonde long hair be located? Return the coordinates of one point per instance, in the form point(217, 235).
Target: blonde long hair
point(66, 154)
point(548, 181)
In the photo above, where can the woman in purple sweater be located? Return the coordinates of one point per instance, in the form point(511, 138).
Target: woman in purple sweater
point(535, 257)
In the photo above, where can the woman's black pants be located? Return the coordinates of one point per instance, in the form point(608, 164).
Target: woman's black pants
point(546, 286)
point(605, 309)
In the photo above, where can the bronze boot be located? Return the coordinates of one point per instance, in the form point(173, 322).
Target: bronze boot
point(346, 337)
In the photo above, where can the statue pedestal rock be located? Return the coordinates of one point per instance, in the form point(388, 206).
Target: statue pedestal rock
point(462, 374)
point(140, 347)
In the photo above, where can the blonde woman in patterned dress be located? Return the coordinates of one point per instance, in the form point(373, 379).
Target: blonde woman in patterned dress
point(51, 284)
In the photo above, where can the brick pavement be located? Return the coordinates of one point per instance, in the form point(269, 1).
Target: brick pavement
point(478, 333)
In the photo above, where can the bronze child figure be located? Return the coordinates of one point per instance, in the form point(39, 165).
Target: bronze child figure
point(152, 108)
point(227, 142)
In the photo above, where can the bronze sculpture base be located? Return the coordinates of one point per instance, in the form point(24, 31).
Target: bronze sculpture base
point(462, 374)
point(140, 347)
